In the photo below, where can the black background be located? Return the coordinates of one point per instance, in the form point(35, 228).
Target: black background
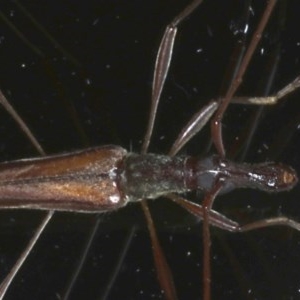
point(108, 85)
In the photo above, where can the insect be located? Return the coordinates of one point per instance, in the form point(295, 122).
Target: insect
point(121, 134)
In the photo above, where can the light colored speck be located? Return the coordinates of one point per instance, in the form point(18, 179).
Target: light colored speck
point(271, 183)
point(114, 199)
point(95, 21)
point(222, 164)
point(209, 31)
point(266, 146)
point(251, 10)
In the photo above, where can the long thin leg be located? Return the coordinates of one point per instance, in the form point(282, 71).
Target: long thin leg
point(270, 100)
point(18, 264)
point(116, 270)
point(22, 125)
point(207, 205)
point(11, 275)
point(162, 65)
point(39, 28)
point(161, 69)
point(210, 217)
point(195, 124)
point(218, 220)
point(216, 126)
point(203, 116)
point(81, 260)
point(216, 131)
point(163, 270)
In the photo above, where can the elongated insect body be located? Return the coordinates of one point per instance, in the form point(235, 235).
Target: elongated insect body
point(80, 181)
point(107, 178)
